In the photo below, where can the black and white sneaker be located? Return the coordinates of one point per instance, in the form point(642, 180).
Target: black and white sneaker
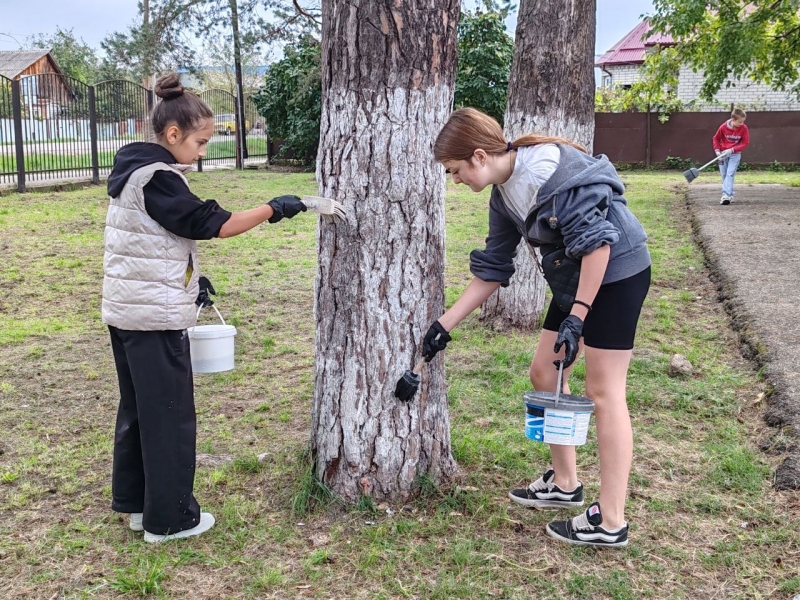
point(543, 493)
point(585, 530)
point(725, 200)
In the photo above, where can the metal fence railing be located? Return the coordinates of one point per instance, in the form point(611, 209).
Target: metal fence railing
point(8, 160)
point(56, 128)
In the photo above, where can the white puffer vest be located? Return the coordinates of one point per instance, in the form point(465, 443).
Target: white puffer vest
point(150, 275)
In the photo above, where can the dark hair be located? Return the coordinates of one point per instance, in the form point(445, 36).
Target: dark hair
point(178, 105)
point(468, 129)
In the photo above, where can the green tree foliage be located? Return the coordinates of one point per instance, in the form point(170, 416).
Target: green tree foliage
point(291, 99)
point(76, 59)
point(755, 40)
point(6, 111)
point(167, 40)
point(485, 52)
point(654, 92)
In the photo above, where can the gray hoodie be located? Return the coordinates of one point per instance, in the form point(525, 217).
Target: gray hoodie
point(586, 195)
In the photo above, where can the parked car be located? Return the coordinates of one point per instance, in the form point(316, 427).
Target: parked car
point(225, 124)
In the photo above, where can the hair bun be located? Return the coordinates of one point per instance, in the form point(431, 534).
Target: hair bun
point(169, 87)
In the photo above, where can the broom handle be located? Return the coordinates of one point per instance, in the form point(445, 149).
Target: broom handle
point(418, 366)
point(711, 162)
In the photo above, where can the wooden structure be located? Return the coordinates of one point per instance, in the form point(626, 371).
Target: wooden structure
point(48, 90)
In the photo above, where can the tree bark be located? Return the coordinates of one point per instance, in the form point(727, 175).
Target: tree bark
point(388, 75)
point(551, 92)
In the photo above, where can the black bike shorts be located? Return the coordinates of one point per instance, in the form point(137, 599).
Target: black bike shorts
point(611, 324)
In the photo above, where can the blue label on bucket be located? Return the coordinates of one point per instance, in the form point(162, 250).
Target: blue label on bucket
point(534, 427)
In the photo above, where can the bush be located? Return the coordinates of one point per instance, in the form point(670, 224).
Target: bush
point(676, 162)
point(291, 100)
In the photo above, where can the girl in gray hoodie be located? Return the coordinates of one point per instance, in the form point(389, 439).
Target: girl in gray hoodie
point(551, 193)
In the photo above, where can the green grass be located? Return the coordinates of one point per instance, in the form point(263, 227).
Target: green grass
point(705, 520)
point(46, 161)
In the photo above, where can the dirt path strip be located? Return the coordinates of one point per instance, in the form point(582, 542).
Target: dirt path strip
point(753, 250)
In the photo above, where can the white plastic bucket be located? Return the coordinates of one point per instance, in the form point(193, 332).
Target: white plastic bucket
point(564, 423)
point(212, 347)
point(556, 418)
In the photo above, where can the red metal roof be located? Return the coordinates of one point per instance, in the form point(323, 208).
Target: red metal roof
point(631, 48)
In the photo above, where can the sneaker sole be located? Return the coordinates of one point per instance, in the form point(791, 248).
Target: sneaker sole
point(555, 536)
point(725, 202)
point(544, 504)
point(152, 538)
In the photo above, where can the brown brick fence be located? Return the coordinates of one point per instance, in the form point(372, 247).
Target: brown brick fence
point(641, 138)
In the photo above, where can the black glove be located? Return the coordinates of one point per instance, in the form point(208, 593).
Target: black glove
point(203, 300)
point(435, 341)
point(286, 206)
point(569, 334)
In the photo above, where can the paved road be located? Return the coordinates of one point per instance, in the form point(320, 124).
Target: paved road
point(754, 248)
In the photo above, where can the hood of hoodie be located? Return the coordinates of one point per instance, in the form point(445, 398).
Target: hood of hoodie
point(134, 156)
point(576, 169)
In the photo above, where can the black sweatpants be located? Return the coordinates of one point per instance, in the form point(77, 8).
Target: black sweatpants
point(154, 443)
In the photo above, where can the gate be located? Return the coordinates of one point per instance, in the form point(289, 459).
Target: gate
point(122, 110)
point(256, 130)
point(55, 128)
point(222, 146)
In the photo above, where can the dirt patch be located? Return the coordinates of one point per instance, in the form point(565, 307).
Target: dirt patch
point(752, 249)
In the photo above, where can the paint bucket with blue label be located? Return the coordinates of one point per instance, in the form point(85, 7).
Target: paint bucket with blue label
point(556, 418)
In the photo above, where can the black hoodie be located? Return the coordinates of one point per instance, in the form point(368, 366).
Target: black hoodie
point(167, 199)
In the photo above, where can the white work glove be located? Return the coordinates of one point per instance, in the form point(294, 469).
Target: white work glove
point(727, 152)
point(718, 152)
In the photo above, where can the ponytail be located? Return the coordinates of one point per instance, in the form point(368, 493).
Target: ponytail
point(468, 129)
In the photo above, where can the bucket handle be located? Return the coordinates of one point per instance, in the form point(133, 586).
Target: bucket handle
point(560, 382)
point(215, 309)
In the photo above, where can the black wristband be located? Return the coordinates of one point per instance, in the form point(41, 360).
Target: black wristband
point(582, 303)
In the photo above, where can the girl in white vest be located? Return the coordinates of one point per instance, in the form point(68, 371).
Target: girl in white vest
point(150, 287)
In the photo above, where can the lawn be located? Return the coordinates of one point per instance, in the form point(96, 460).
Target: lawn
point(705, 521)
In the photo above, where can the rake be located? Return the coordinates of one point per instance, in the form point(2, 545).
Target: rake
point(325, 206)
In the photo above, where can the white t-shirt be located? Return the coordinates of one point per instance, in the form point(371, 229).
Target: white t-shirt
point(533, 167)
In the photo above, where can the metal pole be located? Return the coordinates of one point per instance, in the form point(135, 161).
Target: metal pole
point(241, 147)
point(16, 107)
point(93, 135)
point(649, 139)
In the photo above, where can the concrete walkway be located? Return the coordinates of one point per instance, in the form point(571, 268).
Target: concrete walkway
point(753, 248)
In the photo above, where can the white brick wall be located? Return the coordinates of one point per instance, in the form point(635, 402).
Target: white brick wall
point(744, 94)
point(623, 74)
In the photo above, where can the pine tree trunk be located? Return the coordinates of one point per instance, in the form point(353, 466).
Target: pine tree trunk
point(388, 75)
point(550, 91)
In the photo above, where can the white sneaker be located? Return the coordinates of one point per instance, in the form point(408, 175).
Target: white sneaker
point(136, 522)
point(725, 200)
point(206, 522)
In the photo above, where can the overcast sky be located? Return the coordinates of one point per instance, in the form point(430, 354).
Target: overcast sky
point(92, 20)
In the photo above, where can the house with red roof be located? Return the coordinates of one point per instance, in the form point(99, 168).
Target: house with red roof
point(622, 66)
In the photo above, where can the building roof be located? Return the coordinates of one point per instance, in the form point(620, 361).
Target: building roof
point(631, 48)
point(12, 63)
